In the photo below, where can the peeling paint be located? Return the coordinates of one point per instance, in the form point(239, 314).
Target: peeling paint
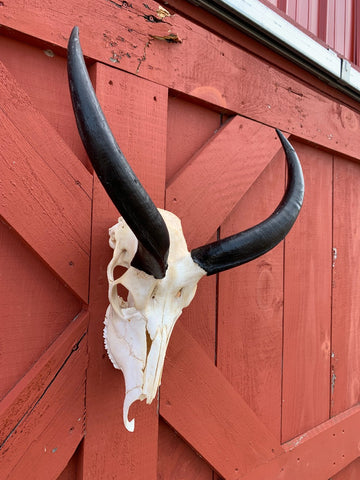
point(298, 441)
point(333, 380)
point(171, 38)
point(334, 251)
point(161, 12)
point(143, 58)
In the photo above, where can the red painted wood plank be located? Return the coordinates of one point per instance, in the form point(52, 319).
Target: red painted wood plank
point(189, 127)
point(136, 110)
point(72, 471)
point(45, 189)
point(199, 403)
point(200, 319)
point(141, 134)
point(351, 472)
point(23, 398)
point(345, 390)
point(177, 460)
point(209, 187)
point(121, 36)
point(346, 296)
point(35, 308)
point(51, 430)
point(249, 346)
point(307, 301)
point(196, 124)
point(43, 76)
point(319, 454)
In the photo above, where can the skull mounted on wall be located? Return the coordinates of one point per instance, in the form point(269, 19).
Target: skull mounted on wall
point(161, 275)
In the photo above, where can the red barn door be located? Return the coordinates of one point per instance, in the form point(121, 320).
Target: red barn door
point(261, 374)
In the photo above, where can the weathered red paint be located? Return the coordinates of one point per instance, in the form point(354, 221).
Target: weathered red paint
point(266, 353)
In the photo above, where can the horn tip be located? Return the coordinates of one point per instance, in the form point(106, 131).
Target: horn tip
point(279, 134)
point(284, 141)
point(74, 36)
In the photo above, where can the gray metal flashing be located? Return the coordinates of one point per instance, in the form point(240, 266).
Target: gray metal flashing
point(274, 31)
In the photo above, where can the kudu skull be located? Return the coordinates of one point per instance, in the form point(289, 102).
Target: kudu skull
point(161, 275)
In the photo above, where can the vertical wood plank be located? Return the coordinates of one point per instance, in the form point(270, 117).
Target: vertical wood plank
point(196, 124)
point(250, 306)
point(351, 472)
point(346, 295)
point(345, 366)
point(35, 308)
point(48, 88)
point(72, 471)
point(189, 127)
point(51, 431)
point(43, 182)
point(205, 409)
point(177, 460)
point(136, 111)
point(307, 307)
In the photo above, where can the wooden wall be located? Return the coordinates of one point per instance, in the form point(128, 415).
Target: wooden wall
point(261, 375)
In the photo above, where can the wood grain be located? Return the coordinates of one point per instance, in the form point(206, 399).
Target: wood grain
point(319, 454)
point(346, 296)
point(249, 346)
point(128, 37)
point(22, 399)
point(345, 365)
point(35, 308)
point(177, 460)
point(198, 402)
point(110, 451)
point(52, 429)
point(72, 471)
point(307, 301)
point(350, 472)
point(45, 189)
point(222, 171)
point(48, 88)
point(189, 127)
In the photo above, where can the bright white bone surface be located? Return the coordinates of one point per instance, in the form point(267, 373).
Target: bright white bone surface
point(137, 331)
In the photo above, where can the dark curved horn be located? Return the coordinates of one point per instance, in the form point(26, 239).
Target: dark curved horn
point(254, 242)
point(113, 170)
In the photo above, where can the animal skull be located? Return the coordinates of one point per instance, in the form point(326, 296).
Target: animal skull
point(137, 331)
point(161, 274)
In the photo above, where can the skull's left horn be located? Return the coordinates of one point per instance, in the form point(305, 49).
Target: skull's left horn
point(254, 242)
point(113, 170)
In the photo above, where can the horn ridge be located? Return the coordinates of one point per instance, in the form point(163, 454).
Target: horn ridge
point(113, 170)
point(245, 246)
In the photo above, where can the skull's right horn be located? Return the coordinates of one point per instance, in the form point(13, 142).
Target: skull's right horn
point(113, 170)
point(252, 243)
